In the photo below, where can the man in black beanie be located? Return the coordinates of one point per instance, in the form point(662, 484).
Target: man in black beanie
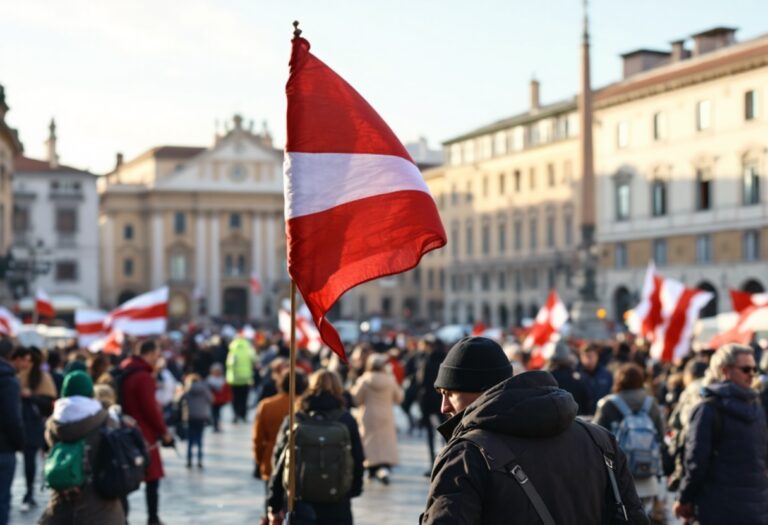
point(516, 453)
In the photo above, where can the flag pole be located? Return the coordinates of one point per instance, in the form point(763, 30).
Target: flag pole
point(291, 465)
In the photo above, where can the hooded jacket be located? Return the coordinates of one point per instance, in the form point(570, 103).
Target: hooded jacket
point(375, 393)
point(197, 400)
point(12, 429)
point(725, 470)
point(535, 419)
point(240, 362)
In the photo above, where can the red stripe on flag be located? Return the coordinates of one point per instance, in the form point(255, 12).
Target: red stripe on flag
point(654, 318)
point(315, 123)
point(331, 251)
point(677, 323)
point(150, 312)
point(5, 327)
point(90, 328)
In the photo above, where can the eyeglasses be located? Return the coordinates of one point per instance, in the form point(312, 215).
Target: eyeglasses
point(752, 370)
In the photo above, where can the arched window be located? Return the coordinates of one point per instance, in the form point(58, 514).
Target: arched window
point(710, 310)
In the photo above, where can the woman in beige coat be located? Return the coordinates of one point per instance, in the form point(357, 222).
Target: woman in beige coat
point(376, 393)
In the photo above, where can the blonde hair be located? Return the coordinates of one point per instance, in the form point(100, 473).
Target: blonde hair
point(725, 356)
point(104, 393)
point(324, 381)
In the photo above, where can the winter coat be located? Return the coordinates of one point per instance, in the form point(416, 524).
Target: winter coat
point(240, 362)
point(573, 382)
point(270, 414)
point(599, 382)
point(534, 418)
point(139, 402)
point(12, 429)
point(375, 393)
point(222, 392)
point(36, 408)
point(725, 470)
point(197, 400)
point(429, 399)
point(76, 418)
point(339, 513)
point(609, 417)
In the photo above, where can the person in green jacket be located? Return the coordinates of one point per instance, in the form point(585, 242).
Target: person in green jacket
point(241, 360)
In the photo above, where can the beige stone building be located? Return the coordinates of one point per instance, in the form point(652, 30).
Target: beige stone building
point(509, 199)
point(681, 148)
point(10, 147)
point(200, 220)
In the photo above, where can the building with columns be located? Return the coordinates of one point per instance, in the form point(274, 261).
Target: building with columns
point(55, 228)
point(10, 147)
point(199, 220)
point(681, 148)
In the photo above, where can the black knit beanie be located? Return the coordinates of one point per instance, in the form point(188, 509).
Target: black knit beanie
point(474, 364)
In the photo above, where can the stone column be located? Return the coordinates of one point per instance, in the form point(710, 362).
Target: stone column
point(157, 253)
point(213, 293)
point(108, 296)
point(257, 250)
point(200, 255)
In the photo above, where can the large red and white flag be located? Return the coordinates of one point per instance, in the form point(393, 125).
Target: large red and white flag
point(43, 304)
point(356, 206)
point(145, 314)
point(255, 284)
point(666, 315)
point(112, 343)
point(753, 315)
point(550, 319)
point(9, 323)
point(90, 326)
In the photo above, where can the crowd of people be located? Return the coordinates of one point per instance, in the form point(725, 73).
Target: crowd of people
point(694, 428)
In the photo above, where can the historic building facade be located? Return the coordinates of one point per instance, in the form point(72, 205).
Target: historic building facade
point(200, 220)
point(508, 197)
point(55, 227)
point(681, 155)
point(10, 147)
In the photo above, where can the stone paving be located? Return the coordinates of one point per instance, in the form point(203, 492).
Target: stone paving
point(225, 492)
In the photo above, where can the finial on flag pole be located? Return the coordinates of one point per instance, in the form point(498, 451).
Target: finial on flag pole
point(296, 30)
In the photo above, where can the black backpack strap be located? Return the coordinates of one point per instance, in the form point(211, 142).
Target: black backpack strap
point(610, 467)
point(500, 458)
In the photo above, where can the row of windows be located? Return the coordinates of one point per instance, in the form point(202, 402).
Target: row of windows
point(529, 279)
point(64, 221)
point(703, 120)
point(180, 224)
point(502, 235)
point(703, 192)
point(235, 265)
point(750, 250)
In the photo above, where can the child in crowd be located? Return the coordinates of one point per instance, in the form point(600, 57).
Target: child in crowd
point(196, 409)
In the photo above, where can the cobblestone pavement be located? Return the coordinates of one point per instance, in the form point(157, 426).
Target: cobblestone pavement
point(225, 492)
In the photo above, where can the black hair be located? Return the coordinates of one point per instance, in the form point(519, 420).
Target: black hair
point(147, 346)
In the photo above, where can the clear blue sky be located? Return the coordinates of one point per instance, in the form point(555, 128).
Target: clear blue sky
point(129, 75)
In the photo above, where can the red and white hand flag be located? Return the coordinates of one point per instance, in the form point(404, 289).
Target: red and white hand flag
point(550, 319)
point(9, 323)
point(666, 315)
point(44, 305)
point(145, 314)
point(753, 315)
point(111, 344)
point(90, 326)
point(255, 284)
point(307, 335)
point(356, 206)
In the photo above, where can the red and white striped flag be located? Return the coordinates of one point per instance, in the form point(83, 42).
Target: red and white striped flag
point(90, 326)
point(145, 314)
point(255, 284)
point(550, 319)
point(356, 206)
point(112, 343)
point(307, 335)
point(44, 305)
point(9, 323)
point(753, 315)
point(666, 315)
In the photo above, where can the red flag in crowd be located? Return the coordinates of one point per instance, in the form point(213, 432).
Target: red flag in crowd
point(356, 206)
point(666, 314)
point(307, 335)
point(90, 326)
point(111, 344)
point(255, 284)
point(44, 305)
point(145, 314)
point(9, 323)
point(753, 314)
point(550, 319)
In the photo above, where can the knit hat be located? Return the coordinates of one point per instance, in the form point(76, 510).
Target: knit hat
point(474, 364)
point(77, 383)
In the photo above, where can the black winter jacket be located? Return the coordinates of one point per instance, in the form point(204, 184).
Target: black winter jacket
point(12, 427)
point(535, 419)
point(725, 468)
point(339, 513)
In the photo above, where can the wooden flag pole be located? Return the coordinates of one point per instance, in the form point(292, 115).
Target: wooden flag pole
point(292, 409)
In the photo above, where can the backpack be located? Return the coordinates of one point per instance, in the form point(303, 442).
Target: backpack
point(324, 464)
point(121, 461)
point(64, 465)
point(637, 437)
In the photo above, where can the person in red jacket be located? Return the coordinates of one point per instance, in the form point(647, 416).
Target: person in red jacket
point(138, 396)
